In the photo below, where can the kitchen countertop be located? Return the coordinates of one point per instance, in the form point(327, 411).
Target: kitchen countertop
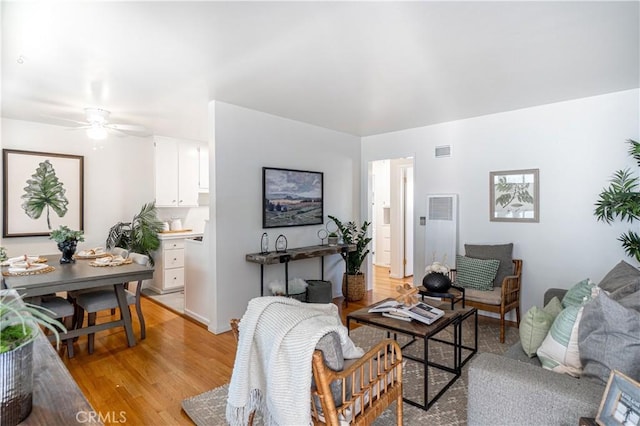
point(175, 234)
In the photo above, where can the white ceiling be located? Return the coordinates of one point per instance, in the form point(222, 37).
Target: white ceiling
point(360, 67)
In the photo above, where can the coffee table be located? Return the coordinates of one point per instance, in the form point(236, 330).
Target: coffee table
point(427, 333)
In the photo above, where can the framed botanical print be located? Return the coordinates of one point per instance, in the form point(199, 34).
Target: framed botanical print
point(41, 191)
point(514, 196)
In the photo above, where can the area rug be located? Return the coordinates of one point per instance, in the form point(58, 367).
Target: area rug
point(208, 408)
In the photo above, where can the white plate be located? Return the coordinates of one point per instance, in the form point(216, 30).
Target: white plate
point(30, 258)
point(22, 267)
point(98, 251)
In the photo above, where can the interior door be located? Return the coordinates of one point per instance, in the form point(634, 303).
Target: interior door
point(408, 221)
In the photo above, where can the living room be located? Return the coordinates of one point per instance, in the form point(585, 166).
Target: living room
point(575, 137)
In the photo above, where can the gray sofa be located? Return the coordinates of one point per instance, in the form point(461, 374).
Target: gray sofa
point(513, 389)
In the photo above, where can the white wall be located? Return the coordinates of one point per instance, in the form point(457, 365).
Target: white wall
point(243, 141)
point(577, 145)
point(118, 178)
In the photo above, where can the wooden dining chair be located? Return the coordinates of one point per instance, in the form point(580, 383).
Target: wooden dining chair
point(357, 394)
point(60, 309)
point(104, 299)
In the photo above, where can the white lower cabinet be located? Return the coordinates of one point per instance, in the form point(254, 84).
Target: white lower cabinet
point(169, 266)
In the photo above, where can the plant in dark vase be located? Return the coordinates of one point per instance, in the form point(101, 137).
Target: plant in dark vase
point(353, 234)
point(436, 279)
point(19, 325)
point(621, 200)
point(140, 235)
point(67, 240)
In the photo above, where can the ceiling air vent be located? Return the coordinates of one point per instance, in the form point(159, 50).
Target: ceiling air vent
point(443, 151)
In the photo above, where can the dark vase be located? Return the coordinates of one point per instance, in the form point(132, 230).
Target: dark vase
point(68, 249)
point(436, 282)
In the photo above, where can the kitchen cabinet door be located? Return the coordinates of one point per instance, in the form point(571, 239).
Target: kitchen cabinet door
point(176, 170)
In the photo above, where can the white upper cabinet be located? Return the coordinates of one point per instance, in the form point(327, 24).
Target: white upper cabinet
point(177, 169)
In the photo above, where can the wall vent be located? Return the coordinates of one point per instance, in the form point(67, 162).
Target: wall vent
point(441, 231)
point(443, 151)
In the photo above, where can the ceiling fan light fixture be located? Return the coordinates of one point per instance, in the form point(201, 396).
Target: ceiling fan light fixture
point(97, 132)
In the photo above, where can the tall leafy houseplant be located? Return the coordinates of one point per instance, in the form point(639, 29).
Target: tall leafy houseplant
point(140, 235)
point(356, 235)
point(19, 325)
point(621, 200)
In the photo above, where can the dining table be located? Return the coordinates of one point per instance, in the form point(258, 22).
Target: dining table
point(82, 274)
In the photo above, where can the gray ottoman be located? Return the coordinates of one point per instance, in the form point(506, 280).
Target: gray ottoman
point(319, 291)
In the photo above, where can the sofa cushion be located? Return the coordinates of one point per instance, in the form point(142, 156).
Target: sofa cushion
point(579, 293)
point(621, 275)
point(536, 324)
point(491, 297)
point(559, 350)
point(476, 273)
point(609, 338)
point(331, 349)
point(501, 252)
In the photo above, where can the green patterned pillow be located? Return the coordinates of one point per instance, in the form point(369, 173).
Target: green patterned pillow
point(579, 293)
point(559, 351)
point(476, 273)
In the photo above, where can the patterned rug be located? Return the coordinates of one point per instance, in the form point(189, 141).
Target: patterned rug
point(208, 409)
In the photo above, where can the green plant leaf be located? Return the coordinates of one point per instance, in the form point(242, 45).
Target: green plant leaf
point(44, 191)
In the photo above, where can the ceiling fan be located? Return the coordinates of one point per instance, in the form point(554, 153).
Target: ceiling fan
point(97, 125)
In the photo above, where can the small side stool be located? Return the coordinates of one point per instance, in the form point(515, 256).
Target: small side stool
point(454, 297)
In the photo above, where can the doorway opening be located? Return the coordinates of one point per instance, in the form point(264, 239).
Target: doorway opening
point(391, 213)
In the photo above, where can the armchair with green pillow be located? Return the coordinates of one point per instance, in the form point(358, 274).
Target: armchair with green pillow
point(557, 373)
point(491, 278)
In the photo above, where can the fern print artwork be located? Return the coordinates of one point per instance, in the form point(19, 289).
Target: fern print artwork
point(44, 191)
point(41, 192)
point(514, 196)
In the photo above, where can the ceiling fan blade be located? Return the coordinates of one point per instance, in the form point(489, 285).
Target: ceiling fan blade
point(53, 117)
point(122, 132)
point(127, 127)
point(78, 128)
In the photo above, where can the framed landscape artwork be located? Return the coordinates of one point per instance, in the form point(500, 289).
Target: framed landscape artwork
point(41, 191)
point(514, 196)
point(291, 198)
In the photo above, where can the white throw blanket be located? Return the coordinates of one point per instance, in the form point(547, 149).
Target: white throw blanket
point(272, 371)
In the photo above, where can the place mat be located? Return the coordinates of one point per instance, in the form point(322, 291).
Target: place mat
point(35, 272)
point(114, 263)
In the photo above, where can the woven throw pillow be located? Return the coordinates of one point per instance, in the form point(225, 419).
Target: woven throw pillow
point(476, 273)
point(501, 252)
point(579, 293)
point(535, 325)
point(609, 338)
point(559, 351)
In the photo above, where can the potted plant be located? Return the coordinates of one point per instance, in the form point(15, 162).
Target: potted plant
point(67, 240)
point(19, 325)
point(622, 200)
point(140, 235)
point(332, 239)
point(357, 236)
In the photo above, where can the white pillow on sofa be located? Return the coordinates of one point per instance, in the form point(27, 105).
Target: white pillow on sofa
point(559, 351)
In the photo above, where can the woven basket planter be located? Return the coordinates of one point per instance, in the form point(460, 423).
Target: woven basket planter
point(356, 287)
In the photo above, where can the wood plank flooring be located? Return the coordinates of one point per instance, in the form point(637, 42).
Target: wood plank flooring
point(146, 384)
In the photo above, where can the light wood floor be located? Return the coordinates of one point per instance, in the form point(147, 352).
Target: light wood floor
point(178, 359)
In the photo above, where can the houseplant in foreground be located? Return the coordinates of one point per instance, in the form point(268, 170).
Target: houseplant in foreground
point(352, 234)
point(19, 325)
point(622, 200)
point(67, 240)
point(140, 235)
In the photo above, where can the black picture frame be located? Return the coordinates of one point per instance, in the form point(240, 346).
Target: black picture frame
point(22, 166)
point(292, 197)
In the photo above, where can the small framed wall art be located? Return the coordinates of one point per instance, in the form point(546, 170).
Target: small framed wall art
point(620, 405)
point(514, 196)
point(41, 191)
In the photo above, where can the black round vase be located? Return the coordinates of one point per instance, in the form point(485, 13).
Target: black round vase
point(436, 282)
point(68, 249)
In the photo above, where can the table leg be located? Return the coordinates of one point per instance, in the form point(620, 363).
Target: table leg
point(126, 315)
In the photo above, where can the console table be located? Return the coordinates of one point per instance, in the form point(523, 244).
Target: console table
point(299, 253)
